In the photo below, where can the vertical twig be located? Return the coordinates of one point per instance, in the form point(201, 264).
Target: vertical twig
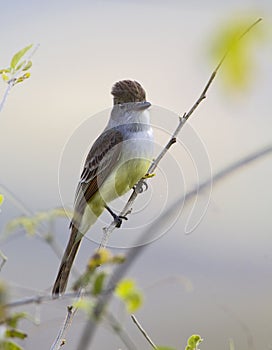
point(147, 337)
point(60, 340)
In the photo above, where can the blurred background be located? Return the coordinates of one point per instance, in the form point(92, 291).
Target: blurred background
point(208, 270)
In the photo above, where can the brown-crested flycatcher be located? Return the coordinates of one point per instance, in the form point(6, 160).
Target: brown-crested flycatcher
point(118, 159)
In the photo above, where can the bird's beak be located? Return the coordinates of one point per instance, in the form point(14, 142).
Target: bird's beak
point(141, 106)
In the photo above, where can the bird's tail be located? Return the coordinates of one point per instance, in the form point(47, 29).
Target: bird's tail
point(67, 262)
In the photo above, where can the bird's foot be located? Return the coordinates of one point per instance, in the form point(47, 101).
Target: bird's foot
point(142, 186)
point(118, 219)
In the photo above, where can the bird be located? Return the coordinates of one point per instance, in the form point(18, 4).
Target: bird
point(117, 160)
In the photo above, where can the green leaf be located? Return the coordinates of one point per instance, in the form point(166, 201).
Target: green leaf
point(9, 345)
point(15, 318)
point(16, 58)
point(98, 283)
point(164, 348)
point(22, 78)
point(27, 66)
point(19, 66)
point(85, 305)
point(100, 257)
point(128, 293)
point(15, 333)
point(239, 63)
point(6, 70)
point(5, 77)
point(193, 342)
point(29, 224)
point(124, 287)
point(1, 199)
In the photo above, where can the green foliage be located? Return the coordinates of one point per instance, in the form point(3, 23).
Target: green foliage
point(31, 223)
point(93, 280)
point(12, 74)
point(85, 305)
point(129, 294)
point(17, 57)
point(9, 345)
point(1, 199)
point(9, 324)
point(15, 333)
point(239, 64)
point(98, 283)
point(12, 321)
point(193, 342)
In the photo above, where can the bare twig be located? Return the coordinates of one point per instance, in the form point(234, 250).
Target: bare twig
point(60, 339)
point(39, 299)
point(182, 120)
point(147, 337)
point(118, 329)
point(7, 91)
point(71, 310)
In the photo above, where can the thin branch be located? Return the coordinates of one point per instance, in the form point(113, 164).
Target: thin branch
point(7, 91)
point(118, 329)
point(71, 310)
point(120, 271)
point(147, 337)
point(39, 299)
point(12, 80)
point(182, 120)
point(60, 339)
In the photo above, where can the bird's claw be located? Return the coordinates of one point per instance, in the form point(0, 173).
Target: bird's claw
point(118, 219)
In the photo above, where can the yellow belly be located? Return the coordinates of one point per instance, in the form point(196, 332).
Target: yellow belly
point(129, 173)
point(122, 179)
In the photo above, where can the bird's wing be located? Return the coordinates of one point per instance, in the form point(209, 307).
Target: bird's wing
point(99, 163)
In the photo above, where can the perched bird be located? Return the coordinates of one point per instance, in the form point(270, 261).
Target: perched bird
point(118, 159)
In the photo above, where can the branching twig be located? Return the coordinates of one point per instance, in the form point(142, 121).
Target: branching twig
point(24, 210)
point(147, 337)
point(12, 81)
point(182, 120)
point(222, 174)
point(60, 339)
point(39, 299)
point(120, 271)
point(71, 310)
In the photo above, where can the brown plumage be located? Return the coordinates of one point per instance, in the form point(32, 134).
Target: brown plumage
point(67, 262)
point(95, 172)
point(127, 91)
